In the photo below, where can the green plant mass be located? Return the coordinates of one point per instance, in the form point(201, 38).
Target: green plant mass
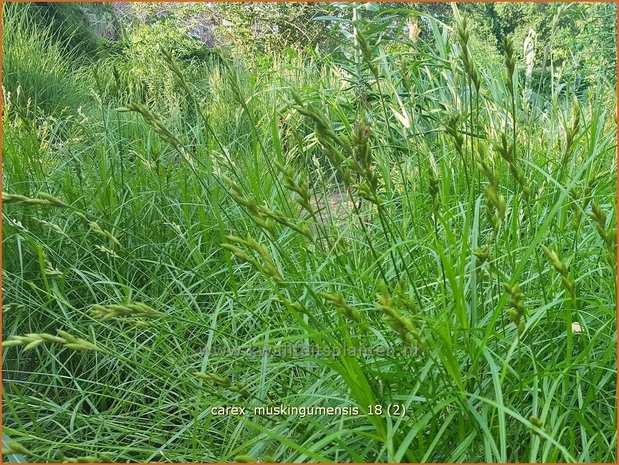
point(309, 232)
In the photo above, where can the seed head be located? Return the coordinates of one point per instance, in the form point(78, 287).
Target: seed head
point(65, 339)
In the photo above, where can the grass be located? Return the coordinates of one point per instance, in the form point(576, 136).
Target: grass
point(183, 250)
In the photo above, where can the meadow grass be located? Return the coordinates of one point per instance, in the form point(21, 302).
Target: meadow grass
point(165, 237)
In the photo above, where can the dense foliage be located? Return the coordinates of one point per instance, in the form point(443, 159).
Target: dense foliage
point(403, 213)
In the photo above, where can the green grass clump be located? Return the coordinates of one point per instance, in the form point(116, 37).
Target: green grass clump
point(396, 233)
point(37, 73)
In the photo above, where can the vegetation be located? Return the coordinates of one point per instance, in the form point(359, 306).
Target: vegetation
point(404, 224)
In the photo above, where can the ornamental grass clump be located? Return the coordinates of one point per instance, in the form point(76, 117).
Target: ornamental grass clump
point(385, 150)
